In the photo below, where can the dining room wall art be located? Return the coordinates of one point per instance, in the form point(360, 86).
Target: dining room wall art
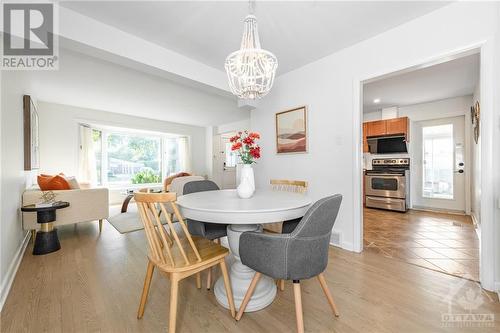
point(291, 131)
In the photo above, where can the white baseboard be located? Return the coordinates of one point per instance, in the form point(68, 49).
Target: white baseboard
point(337, 240)
point(11, 272)
point(348, 246)
point(477, 225)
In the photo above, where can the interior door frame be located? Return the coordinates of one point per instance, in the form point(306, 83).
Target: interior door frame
point(487, 121)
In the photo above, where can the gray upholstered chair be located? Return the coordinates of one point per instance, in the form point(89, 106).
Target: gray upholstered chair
point(301, 254)
point(212, 231)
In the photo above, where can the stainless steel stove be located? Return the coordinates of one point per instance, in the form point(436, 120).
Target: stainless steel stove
point(388, 184)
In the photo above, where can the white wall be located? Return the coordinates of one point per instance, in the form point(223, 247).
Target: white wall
point(329, 87)
point(372, 115)
point(490, 173)
point(235, 126)
point(13, 180)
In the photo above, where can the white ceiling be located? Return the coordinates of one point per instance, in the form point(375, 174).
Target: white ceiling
point(297, 32)
point(449, 79)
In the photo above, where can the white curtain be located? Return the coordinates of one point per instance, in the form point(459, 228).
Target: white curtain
point(87, 168)
point(184, 154)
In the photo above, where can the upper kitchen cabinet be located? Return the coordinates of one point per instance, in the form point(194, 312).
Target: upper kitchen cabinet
point(376, 128)
point(397, 126)
point(387, 127)
point(365, 142)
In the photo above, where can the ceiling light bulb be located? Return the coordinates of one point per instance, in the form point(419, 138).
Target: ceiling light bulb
point(376, 100)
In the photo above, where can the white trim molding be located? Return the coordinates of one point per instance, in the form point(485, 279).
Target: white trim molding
point(12, 270)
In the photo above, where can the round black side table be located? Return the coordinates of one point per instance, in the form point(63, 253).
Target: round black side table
point(46, 240)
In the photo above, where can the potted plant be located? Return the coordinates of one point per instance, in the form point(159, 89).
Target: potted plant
point(245, 144)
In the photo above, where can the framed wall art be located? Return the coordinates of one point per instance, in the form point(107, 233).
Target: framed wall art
point(31, 139)
point(475, 114)
point(291, 131)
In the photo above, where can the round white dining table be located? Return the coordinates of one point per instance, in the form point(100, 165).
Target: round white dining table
point(225, 207)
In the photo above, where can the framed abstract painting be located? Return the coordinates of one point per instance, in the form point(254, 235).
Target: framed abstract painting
point(291, 131)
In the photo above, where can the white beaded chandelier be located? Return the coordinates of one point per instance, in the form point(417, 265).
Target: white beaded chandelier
point(251, 70)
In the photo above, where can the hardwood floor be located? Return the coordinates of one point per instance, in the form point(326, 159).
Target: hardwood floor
point(94, 284)
point(443, 242)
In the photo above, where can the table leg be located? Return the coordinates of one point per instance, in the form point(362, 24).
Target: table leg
point(241, 276)
point(46, 240)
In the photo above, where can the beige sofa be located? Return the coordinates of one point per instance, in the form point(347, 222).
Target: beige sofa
point(87, 204)
point(177, 186)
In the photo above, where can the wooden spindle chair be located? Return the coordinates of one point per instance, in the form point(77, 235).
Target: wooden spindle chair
point(177, 257)
point(296, 186)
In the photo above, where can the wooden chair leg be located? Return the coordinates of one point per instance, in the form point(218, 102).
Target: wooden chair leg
point(229, 289)
point(174, 289)
point(198, 280)
point(280, 284)
point(324, 286)
point(248, 295)
point(298, 306)
point(209, 278)
point(209, 275)
point(145, 289)
point(100, 225)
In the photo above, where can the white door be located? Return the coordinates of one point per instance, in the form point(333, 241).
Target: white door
point(438, 155)
point(229, 164)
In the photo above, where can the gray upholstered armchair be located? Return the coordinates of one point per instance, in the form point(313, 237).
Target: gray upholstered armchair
point(212, 231)
point(301, 254)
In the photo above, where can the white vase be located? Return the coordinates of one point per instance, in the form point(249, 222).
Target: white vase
point(247, 183)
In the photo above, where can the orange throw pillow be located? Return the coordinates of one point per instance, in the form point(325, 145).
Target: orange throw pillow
point(52, 183)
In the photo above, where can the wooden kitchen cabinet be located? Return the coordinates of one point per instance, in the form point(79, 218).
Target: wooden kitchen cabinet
point(386, 127)
point(376, 128)
point(365, 142)
point(397, 126)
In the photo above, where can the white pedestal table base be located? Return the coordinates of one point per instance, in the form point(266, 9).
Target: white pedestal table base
point(241, 276)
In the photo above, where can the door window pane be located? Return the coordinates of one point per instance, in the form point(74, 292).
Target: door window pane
point(230, 156)
point(437, 180)
point(133, 159)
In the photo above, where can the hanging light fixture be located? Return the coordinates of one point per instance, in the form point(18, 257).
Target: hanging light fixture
point(251, 70)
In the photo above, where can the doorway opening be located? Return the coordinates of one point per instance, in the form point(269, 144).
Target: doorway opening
point(421, 166)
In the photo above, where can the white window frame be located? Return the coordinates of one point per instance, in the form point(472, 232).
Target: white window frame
point(106, 131)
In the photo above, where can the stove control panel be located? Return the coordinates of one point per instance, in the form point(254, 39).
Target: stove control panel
point(391, 162)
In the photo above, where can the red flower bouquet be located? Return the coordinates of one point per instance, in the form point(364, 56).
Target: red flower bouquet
point(246, 145)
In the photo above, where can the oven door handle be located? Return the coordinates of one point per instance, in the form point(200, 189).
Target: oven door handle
point(399, 177)
point(378, 199)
